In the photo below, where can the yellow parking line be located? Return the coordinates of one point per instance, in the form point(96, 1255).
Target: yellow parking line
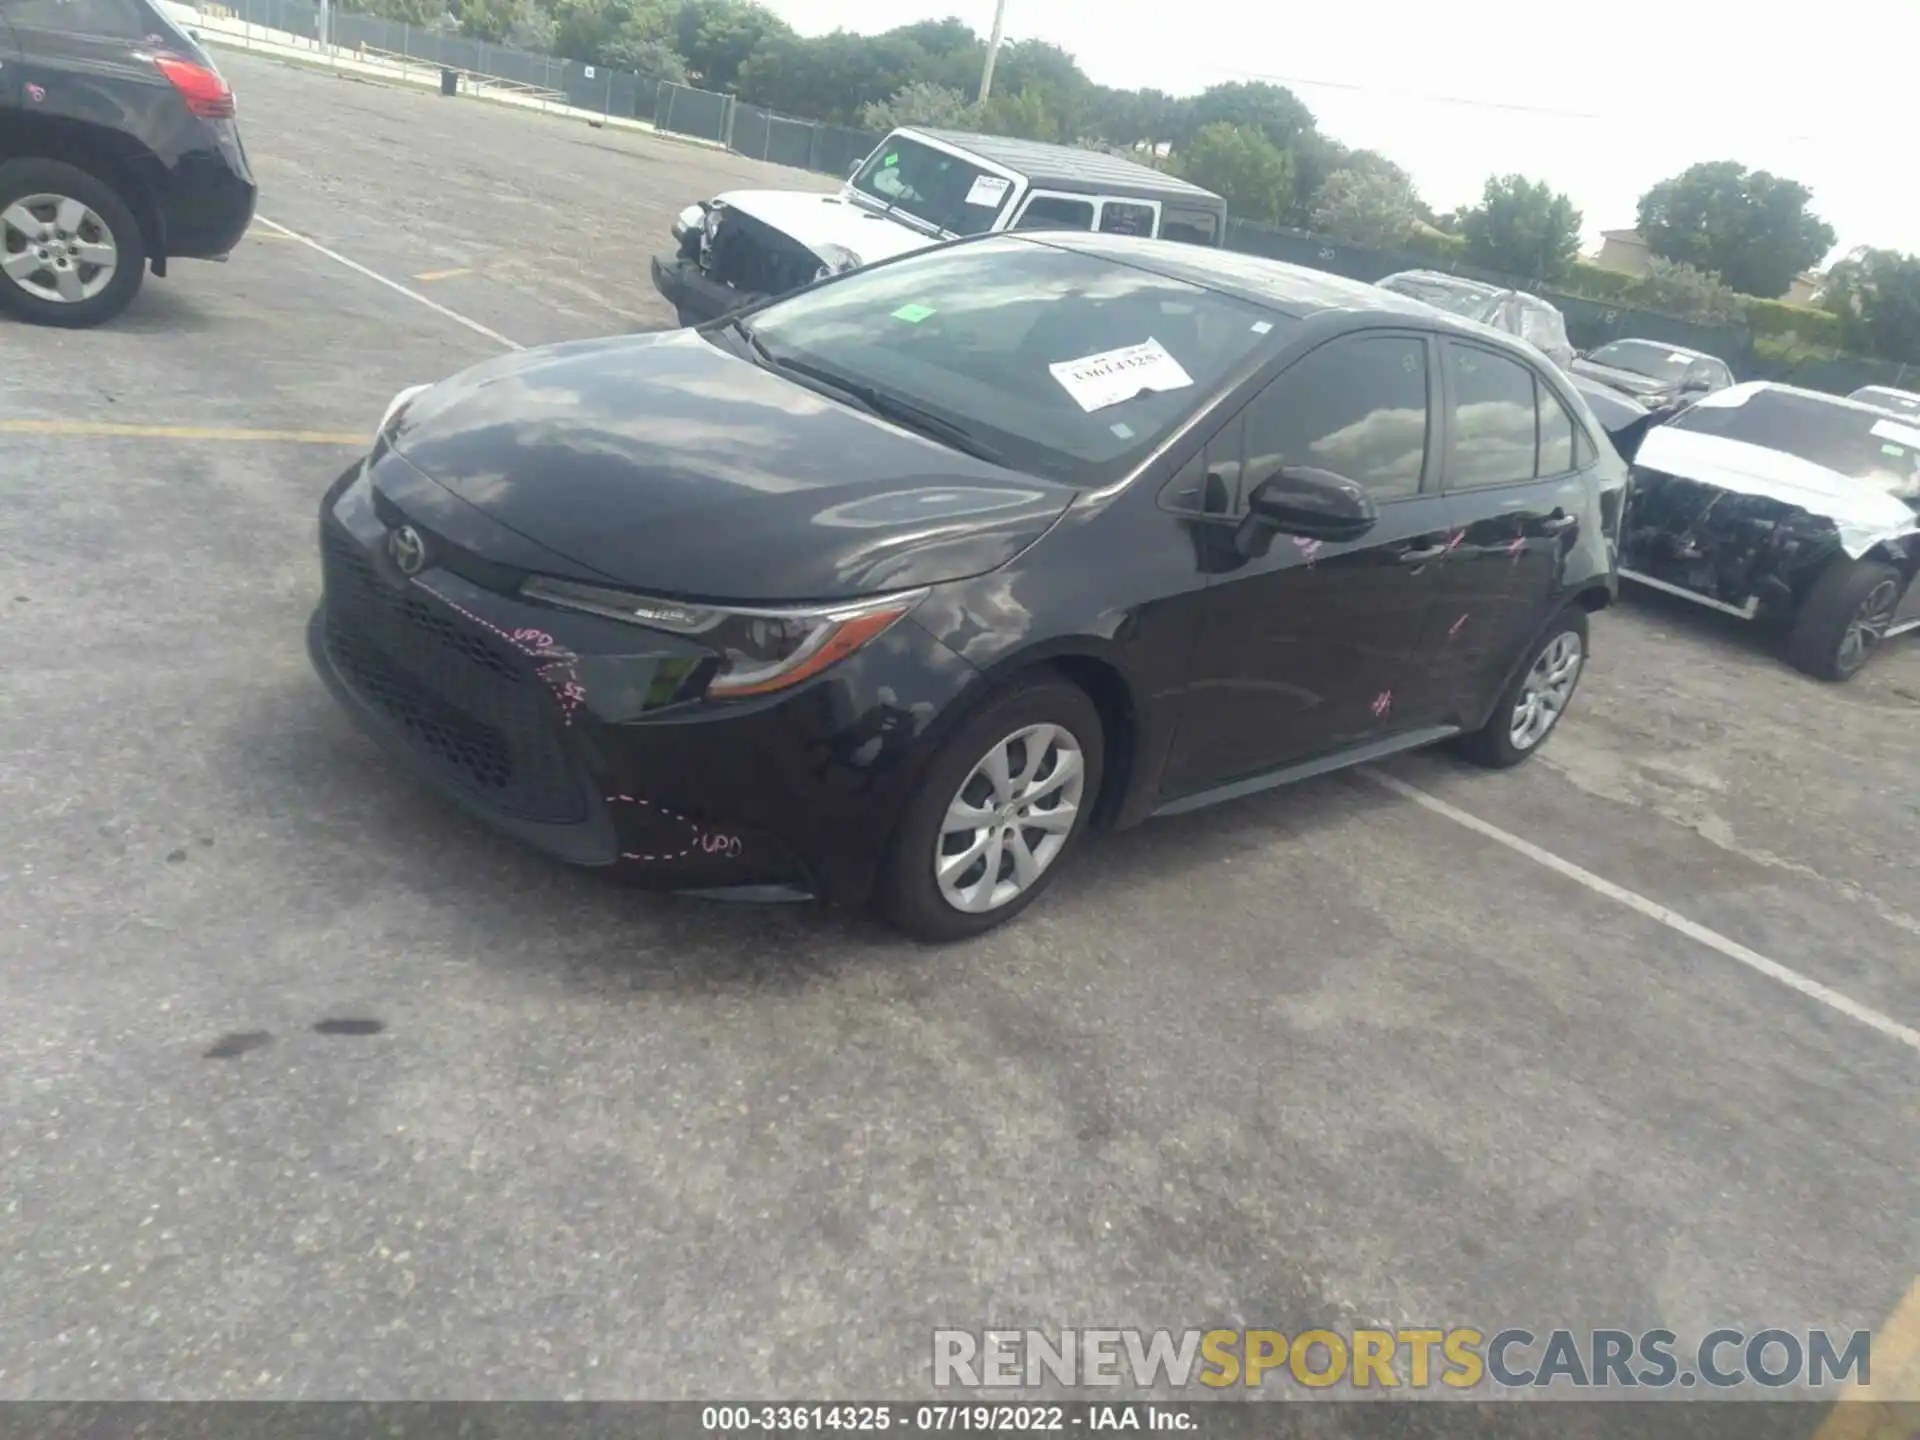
point(1896, 1380)
point(100, 430)
point(444, 274)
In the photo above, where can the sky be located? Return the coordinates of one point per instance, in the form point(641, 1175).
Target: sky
point(1600, 99)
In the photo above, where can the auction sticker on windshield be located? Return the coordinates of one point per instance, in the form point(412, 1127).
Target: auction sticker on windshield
point(1097, 381)
point(988, 190)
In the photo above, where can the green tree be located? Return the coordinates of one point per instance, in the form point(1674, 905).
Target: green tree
point(1373, 207)
point(1240, 163)
point(1024, 114)
point(491, 20)
point(828, 77)
point(921, 103)
point(1753, 229)
point(715, 37)
point(1673, 288)
point(1522, 227)
point(1274, 110)
point(413, 12)
point(649, 59)
point(1876, 294)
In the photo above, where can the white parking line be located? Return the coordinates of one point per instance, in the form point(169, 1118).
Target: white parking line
point(1654, 911)
point(378, 278)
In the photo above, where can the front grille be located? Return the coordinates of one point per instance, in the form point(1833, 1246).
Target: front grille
point(472, 708)
point(756, 258)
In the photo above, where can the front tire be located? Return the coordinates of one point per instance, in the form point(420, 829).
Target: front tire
point(1530, 708)
point(1843, 619)
point(997, 811)
point(71, 251)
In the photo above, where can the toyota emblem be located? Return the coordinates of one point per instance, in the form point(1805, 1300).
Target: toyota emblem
point(408, 549)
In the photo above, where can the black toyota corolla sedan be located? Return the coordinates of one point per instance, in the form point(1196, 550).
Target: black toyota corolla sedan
point(890, 590)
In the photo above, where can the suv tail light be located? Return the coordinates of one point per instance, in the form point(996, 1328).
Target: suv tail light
point(207, 94)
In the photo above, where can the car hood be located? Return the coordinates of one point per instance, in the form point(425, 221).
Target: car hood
point(829, 221)
point(1629, 382)
point(671, 466)
point(1863, 515)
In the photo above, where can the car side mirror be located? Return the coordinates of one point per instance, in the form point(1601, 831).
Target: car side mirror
point(1312, 504)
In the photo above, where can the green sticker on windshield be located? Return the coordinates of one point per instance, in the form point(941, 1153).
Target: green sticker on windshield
point(893, 159)
point(913, 314)
point(1891, 450)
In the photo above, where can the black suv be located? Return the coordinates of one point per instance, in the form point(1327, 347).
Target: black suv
point(118, 150)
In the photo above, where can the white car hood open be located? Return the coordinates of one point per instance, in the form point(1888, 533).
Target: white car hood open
point(1863, 514)
point(829, 220)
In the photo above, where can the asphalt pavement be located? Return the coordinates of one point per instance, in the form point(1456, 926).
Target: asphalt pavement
point(311, 1088)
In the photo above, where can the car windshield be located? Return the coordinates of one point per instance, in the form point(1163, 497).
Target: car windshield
point(1061, 364)
point(1459, 297)
point(1644, 357)
point(1879, 450)
point(1899, 401)
point(944, 190)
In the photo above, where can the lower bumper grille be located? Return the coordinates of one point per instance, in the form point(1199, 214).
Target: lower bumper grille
point(470, 707)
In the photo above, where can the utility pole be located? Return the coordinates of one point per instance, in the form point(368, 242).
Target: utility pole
point(993, 48)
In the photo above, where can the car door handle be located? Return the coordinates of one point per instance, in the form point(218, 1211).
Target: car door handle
point(1422, 556)
point(1557, 522)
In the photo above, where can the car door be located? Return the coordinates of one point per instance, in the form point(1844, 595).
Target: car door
point(1514, 480)
point(1304, 645)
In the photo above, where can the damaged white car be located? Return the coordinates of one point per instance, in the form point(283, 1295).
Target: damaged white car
point(918, 188)
point(1766, 500)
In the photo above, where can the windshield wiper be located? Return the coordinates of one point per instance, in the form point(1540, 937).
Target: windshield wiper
point(754, 342)
point(902, 412)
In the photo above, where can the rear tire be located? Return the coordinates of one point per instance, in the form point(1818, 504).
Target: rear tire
point(1843, 619)
point(1531, 707)
point(1060, 723)
point(36, 269)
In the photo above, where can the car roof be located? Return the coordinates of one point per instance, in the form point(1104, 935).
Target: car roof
point(1068, 167)
point(1296, 291)
point(1442, 278)
point(1734, 394)
point(1887, 390)
point(1666, 345)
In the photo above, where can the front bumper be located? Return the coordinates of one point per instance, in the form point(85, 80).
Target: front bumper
point(695, 295)
point(575, 734)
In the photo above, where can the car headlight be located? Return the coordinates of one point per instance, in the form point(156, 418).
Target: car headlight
point(835, 260)
point(397, 407)
point(689, 220)
point(760, 650)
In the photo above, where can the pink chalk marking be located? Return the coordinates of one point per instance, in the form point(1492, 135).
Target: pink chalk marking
point(1519, 544)
point(35, 93)
point(710, 842)
point(1455, 538)
point(1454, 629)
point(1383, 702)
point(535, 645)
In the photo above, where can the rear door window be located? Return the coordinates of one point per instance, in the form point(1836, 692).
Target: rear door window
point(1126, 217)
point(1056, 212)
point(1495, 424)
point(1191, 227)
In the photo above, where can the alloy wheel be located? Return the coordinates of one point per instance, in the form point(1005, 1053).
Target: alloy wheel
point(57, 248)
point(1010, 819)
point(1546, 690)
point(1869, 626)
